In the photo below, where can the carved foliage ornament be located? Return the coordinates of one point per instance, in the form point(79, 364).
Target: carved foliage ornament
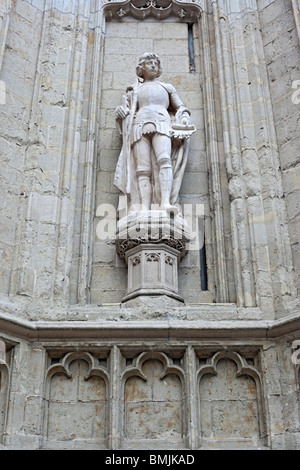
point(187, 11)
point(125, 245)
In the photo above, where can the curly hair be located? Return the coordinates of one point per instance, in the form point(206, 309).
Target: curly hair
point(142, 60)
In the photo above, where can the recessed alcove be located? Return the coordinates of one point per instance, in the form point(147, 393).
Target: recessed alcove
point(176, 34)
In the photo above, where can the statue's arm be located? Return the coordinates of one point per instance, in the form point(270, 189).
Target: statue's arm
point(123, 110)
point(182, 112)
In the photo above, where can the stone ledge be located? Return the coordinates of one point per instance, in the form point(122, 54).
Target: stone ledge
point(163, 330)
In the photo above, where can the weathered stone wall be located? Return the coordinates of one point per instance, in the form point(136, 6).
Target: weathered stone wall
point(79, 369)
point(282, 54)
point(180, 395)
point(20, 38)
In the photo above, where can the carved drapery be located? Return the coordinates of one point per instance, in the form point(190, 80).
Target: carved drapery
point(158, 9)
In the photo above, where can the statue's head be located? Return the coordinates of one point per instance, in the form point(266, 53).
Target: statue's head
point(146, 57)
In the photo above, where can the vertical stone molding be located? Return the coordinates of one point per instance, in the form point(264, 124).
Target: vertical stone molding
point(4, 389)
point(296, 9)
point(214, 160)
point(263, 265)
point(5, 9)
point(89, 154)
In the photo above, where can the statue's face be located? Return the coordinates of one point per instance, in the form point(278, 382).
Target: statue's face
point(150, 69)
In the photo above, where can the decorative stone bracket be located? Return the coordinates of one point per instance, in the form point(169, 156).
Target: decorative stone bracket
point(152, 244)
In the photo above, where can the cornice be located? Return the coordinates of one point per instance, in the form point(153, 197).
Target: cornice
point(148, 330)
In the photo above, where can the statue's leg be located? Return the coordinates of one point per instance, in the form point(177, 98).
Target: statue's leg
point(142, 153)
point(162, 148)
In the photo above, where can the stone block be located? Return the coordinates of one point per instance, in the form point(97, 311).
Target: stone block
point(7, 229)
point(164, 47)
point(117, 62)
point(126, 46)
point(122, 79)
point(108, 159)
point(104, 252)
point(150, 30)
point(123, 30)
point(27, 11)
point(288, 154)
point(274, 10)
point(43, 208)
point(174, 31)
point(195, 183)
point(177, 63)
point(5, 278)
point(183, 81)
point(111, 98)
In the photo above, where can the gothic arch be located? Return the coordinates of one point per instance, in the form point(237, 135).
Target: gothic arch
point(76, 381)
point(242, 369)
point(154, 385)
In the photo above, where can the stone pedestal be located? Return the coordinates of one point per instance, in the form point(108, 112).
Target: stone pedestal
point(152, 270)
point(152, 244)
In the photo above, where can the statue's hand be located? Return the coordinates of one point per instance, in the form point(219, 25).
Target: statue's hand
point(185, 119)
point(121, 112)
point(182, 116)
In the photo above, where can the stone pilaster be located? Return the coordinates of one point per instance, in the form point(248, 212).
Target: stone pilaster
point(262, 258)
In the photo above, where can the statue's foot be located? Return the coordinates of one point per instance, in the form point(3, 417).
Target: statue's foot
point(169, 208)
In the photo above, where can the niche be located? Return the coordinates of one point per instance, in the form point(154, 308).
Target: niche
point(231, 408)
point(153, 404)
point(76, 404)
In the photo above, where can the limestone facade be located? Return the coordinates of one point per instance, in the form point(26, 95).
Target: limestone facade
point(79, 368)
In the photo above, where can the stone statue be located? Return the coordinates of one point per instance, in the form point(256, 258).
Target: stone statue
point(154, 124)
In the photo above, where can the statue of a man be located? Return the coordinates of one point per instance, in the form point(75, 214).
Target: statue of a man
point(154, 124)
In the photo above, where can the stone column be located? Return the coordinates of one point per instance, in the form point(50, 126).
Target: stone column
point(213, 152)
point(89, 151)
point(192, 405)
point(115, 399)
point(272, 394)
